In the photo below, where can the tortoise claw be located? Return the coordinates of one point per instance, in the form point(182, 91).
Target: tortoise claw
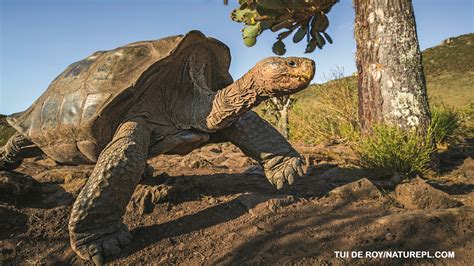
point(97, 259)
point(96, 247)
point(286, 171)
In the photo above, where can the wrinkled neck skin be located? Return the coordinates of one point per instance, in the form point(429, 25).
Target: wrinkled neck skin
point(233, 101)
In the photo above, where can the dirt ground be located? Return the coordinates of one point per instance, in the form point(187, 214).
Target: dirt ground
point(214, 207)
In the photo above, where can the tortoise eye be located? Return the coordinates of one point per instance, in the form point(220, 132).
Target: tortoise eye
point(292, 64)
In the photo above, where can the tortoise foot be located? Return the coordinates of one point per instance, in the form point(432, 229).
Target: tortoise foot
point(7, 164)
point(97, 244)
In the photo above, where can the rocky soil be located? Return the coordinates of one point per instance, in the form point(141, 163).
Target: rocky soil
point(214, 207)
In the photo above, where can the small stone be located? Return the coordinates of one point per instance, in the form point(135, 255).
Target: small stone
point(362, 189)
point(417, 194)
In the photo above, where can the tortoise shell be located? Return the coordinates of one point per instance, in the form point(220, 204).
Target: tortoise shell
point(77, 115)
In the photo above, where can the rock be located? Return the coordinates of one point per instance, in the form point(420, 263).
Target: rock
point(428, 217)
point(258, 205)
point(341, 175)
point(468, 167)
point(362, 189)
point(417, 194)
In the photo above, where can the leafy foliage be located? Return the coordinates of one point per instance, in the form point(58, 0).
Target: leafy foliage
point(393, 150)
point(304, 18)
point(444, 122)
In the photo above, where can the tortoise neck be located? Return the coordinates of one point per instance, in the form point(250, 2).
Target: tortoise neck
point(233, 101)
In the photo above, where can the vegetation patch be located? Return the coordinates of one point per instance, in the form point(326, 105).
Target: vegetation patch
point(6, 131)
point(390, 149)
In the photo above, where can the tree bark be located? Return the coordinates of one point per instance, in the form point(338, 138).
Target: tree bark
point(392, 88)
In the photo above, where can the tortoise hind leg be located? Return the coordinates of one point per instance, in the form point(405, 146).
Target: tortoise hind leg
point(11, 155)
point(95, 227)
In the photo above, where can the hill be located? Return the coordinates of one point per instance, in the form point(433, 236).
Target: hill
point(449, 71)
point(330, 109)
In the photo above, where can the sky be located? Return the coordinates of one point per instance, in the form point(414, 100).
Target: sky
point(40, 38)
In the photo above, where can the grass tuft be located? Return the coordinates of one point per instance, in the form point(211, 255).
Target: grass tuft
point(393, 150)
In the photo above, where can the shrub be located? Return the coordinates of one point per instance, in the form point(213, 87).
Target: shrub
point(466, 123)
point(393, 150)
point(444, 123)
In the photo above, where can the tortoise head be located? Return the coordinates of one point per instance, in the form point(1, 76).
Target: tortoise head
point(278, 76)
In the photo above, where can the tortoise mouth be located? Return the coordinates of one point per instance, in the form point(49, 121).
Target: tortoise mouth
point(303, 77)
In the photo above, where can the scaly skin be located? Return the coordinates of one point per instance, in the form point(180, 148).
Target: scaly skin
point(95, 227)
point(262, 142)
point(10, 157)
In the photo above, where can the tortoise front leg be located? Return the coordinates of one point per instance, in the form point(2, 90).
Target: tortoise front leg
point(262, 142)
point(11, 155)
point(95, 227)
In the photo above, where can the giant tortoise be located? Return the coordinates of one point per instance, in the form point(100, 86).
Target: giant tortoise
point(118, 108)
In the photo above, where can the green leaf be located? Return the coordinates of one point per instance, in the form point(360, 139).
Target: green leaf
point(328, 38)
point(320, 41)
point(320, 22)
point(300, 33)
point(251, 31)
point(237, 15)
point(284, 34)
point(311, 46)
point(279, 48)
point(249, 17)
point(250, 41)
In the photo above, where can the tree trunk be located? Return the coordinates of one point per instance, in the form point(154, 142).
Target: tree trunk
point(391, 82)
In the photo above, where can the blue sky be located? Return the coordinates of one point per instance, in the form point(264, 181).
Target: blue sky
point(40, 38)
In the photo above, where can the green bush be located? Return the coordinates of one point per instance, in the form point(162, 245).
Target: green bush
point(393, 150)
point(466, 123)
point(444, 123)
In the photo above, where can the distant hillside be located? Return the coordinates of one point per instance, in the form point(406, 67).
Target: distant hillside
point(454, 54)
point(449, 71)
